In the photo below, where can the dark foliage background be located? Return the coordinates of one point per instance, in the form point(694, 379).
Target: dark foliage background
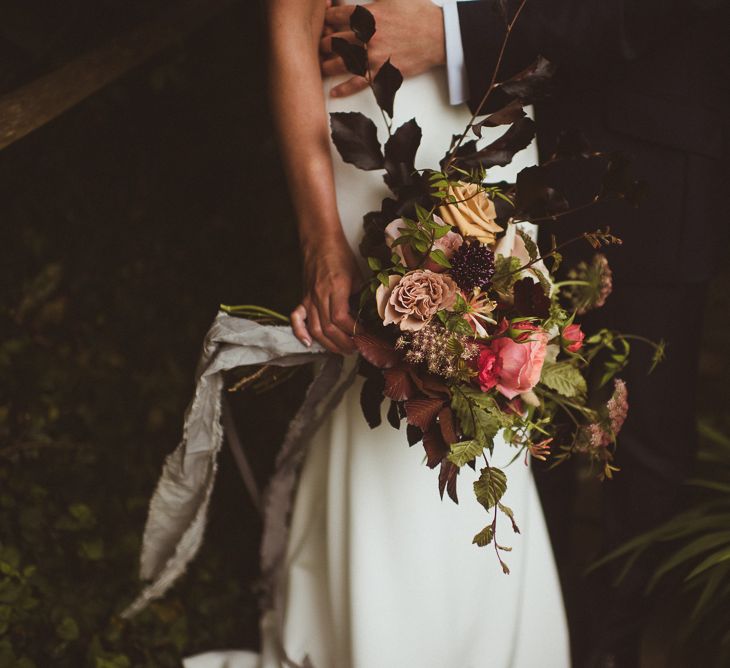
point(123, 224)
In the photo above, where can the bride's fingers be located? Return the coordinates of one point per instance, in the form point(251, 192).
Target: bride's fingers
point(325, 44)
point(316, 329)
point(349, 87)
point(338, 16)
point(342, 340)
point(340, 314)
point(332, 67)
point(299, 326)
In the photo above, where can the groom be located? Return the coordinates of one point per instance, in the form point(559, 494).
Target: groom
point(647, 79)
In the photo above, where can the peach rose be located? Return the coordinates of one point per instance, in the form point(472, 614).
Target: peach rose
point(474, 214)
point(410, 301)
point(520, 364)
point(448, 244)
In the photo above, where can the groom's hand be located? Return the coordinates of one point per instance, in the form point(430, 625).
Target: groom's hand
point(409, 32)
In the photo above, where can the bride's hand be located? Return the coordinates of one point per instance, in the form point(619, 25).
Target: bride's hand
point(411, 51)
point(330, 276)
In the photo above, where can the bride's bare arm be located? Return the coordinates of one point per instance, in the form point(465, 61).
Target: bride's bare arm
point(330, 270)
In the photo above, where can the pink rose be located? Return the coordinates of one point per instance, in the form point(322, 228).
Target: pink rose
point(488, 366)
point(410, 301)
point(520, 363)
point(448, 244)
point(573, 338)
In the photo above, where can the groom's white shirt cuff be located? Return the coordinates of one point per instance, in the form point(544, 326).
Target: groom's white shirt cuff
point(455, 67)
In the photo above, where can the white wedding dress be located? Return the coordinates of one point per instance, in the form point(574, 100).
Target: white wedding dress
point(381, 572)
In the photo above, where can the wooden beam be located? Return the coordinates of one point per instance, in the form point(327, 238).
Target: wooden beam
point(31, 106)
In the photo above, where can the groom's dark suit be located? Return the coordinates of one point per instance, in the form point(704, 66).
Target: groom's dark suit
point(646, 77)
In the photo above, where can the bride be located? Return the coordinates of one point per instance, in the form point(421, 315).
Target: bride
point(380, 572)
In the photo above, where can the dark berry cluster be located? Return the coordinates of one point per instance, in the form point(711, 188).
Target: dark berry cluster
point(472, 266)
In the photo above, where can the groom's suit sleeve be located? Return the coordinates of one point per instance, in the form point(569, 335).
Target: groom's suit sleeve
point(580, 35)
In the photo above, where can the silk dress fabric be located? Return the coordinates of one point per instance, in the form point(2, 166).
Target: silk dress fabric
point(380, 572)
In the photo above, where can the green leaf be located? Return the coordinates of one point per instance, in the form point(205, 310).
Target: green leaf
point(484, 537)
point(530, 245)
point(713, 560)
point(505, 272)
point(696, 547)
point(441, 231)
point(511, 515)
point(464, 452)
point(112, 661)
point(475, 422)
point(490, 487)
point(439, 257)
point(67, 629)
point(92, 549)
point(543, 280)
point(423, 214)
point(374, 264)
point(564, 378)
point(716, 578)
point(420, 246)
point(384, 278)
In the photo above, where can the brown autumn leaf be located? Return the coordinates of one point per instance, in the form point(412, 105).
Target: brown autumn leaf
point(448, 425)
point(398, 384)
point(435, 447)
point(422, 412)
point(447, 480)
point(429, 384)
point(378, 352)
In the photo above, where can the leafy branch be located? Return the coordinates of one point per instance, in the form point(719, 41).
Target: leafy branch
point(490, 89)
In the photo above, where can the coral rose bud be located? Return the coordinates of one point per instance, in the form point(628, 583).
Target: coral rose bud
point(572, 338)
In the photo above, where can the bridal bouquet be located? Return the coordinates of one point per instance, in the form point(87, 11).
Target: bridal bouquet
point(464, 325)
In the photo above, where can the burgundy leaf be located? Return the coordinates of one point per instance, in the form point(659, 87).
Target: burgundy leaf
point(422, 412)
point(356, 139)
point(532, 82)
point(572, 144)
point(428, 384)
point(619, 184)
point(374, 223)
point(414, 434)
point(379, 353)
point(501, 151)
point(394, 415)
point(398, 384)
point(353, 55)
point(505, 116)
point(530, 299)
point(447, 424)
point(371, 398)
point(466, 149)
point(362, 23)
point(447, 479)
point(534, 198)
point(400, 155)
point(385, 85)
point(435, 447)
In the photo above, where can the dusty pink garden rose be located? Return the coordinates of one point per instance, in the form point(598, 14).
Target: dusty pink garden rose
point(520, 364)
point(573, 338)
point(448, 244)
point(410, 301)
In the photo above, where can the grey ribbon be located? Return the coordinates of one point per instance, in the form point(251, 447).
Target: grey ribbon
point(179, 506)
